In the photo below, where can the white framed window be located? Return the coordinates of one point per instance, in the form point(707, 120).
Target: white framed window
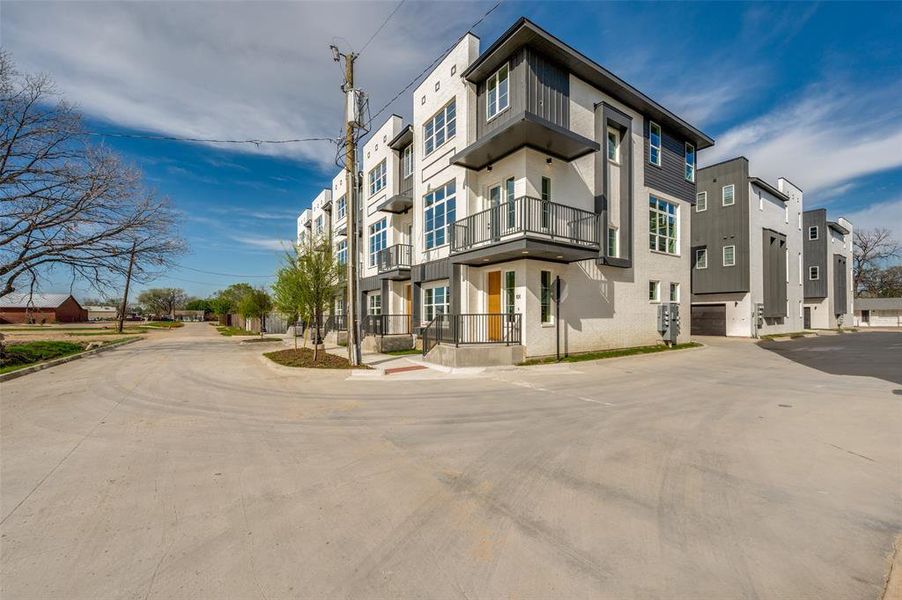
point(497, 93)
point(545, 299)
point(813, 232)
point(440, 128)
point(377, 177)
point(341, 207)
point(613, 242)
point(407, 161)
point(701, 202)
point(435, 302)
point(510, 292)
point(674, 292)
point(654, 143)
point(728, 195)
point(654, 291)
point(689, 162)
point(663, 226)
point(439, 207)
point(377, 239)
point(341, 252)
point(729, 256)
point(814, 273)
point(701, 258)
point(613, 145)
point(375, 304)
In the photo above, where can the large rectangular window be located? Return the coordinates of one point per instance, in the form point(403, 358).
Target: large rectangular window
point(375, 301)
point(510, 289)
point(546, 297)
point(341, 252)
point(729, 256)
point(728, 197)
point(663, 226)
point(654, 144)
point(435, 302)
point(497, 92)
point(689, 162)
point(407, 161)
point(377, 239)
point(319, 225)
point(440, 209)
point(440, 128)
point(377, 177)
point(341, 207)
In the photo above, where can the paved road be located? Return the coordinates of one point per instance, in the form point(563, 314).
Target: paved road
point(185, 467)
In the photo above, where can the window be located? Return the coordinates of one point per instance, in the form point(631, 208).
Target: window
point(613, 242)
point(375, 301)
point(546, 202)
point(654, 291)
point(801, 270)
point(377, 239)
point(654, 144)
point(727, 195)
point(497, 96)
point(689, 162)
point(701, 202)
point(613, 145)
point(729, 256)
point(701, 258)
point(407, 161)
point(510, 289)
point(439, 206)
point(440, 128)
point(814, 273)
point(813, 233)
point(663, 227)
point(319, 225)
point(435, 302)
point(341, 252)
point(674, 292)
point(545, 297)
point(341, 208)
point(377, 177)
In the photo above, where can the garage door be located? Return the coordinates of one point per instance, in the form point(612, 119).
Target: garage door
point(709, 319)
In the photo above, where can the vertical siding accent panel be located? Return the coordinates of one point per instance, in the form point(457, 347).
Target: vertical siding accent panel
point(670, 176)
point(517, 91)
point(840, 284)
point(774, 262)
point(548, 89)
point(815, 252)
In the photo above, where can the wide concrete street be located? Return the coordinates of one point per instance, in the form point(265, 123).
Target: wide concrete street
point(184, 466)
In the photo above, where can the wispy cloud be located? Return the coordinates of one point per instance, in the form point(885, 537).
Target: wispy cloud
point(882, 215)
point(263, 243)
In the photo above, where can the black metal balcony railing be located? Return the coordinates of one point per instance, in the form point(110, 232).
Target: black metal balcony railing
point(502, 328)
point(336, 323)
point(382, 325)
point(525, 216)
point(394, 257)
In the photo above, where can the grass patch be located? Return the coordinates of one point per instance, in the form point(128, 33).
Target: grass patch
point(611, 353)
point(164, 324)
point(303, 357)
point(791, 334)
point(258, 340)
point(230, 331)
point(126, 331)
point(403, 352)
point(24, 354)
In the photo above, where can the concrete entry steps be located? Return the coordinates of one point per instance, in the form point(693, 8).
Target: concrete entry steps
point(477, 355)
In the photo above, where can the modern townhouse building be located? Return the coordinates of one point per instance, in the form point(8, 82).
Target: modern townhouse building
point(746, 253)
point(827, 252)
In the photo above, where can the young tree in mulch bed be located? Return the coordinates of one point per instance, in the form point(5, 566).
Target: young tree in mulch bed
point(304, 357)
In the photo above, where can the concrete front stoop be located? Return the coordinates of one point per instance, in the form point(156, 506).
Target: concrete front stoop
point(482, 355)
point(386, 343)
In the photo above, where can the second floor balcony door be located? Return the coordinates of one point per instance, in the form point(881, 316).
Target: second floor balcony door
point(503, 215)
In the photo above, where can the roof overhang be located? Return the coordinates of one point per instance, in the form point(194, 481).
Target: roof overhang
point(837, 227)
point(405, 138)
point(769, 188)
point(396, 204)
point(399, 274)
point(526, 33)
point(524, 248)
point(526, 130)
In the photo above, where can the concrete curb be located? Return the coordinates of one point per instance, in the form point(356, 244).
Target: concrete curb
point(59, 361)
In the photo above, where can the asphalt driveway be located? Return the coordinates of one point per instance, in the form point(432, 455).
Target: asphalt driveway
point(186, 467)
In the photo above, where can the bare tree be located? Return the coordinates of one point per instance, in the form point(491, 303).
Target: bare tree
point(65, 204)
point(872, 248)
point(163, 301)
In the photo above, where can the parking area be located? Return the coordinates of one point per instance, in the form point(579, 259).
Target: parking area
point(184, 466)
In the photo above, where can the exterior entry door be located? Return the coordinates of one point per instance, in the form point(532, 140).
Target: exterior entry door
point(494, 307)
point(807, 319)
point(408, 296)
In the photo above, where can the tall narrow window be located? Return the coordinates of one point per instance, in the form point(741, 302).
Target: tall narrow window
point(729, 256)
point(613, 145)
point(654, 291)
point(439, 214)
point(545, 297)
point(814, 273)
point(497, 97)
point(701, 202)
point(440, 128)
point(663, 226)
point(701, 258)
point(375, 301)
point(812, 232)
point(546, 202)
point(377, 240)
point(727, 195)
point(510, 289)
point(341, 252)
point(377, 177)
point(689, 162)
point(674, 292)
point(613, 242)
point(407, 161)
point(511, 206)
point(341, 206)
point(654, 143)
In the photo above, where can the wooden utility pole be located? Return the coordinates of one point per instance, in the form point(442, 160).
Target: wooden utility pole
point(128, 279)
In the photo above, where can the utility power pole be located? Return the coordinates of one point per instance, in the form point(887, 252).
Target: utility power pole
point(128, 280)
point(351, 123)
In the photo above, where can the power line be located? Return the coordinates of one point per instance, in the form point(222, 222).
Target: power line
point(384, 23)
point(220, 274)
point(170, 138)
point(435, 62)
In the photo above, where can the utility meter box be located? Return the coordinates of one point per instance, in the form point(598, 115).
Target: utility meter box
point(669, 322)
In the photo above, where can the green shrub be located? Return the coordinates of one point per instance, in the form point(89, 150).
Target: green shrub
point(33, 352)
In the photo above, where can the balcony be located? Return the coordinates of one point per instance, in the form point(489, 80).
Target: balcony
point(473, 329)
point(394, 262)
point(525, 228)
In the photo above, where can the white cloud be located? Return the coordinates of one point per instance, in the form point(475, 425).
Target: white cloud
point(882, 215)
point(263, 243)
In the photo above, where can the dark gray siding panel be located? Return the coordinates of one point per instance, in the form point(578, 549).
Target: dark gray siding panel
point(517, 93)
point(720, 226)
point(774, 262)
point(370, 284)
point(840, 284)
point(670, 176)
point(815, 252)
point(432, 270)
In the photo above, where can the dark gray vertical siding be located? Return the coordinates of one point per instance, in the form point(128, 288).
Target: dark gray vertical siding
point(815, 252)
point(670, 176)
point(774, 262)
point(432, 270)
point(840, 284)
point(721, 226)
point(517, 93)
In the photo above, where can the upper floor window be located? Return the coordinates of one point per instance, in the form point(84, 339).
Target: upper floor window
point(701, 202)
point(440, 208)
point(510, 289)
point(814, 273)
point(377, 177)
point(674, 292)
point(440, 128)
point(654, 143)
point(813, 232)
point(727, 195)
point(377, 240)
point(663, 226)
point(341, 252)
point(701, 258)
point(407, 161)
point(729, 256)
point(689, 162)
point(341, 207)
point(497, 92)
point(319, 225)
point(613, 145)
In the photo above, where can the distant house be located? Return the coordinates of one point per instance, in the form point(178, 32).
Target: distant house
point(878, 312)
point(101, 313)
point(188, 315)
point(41, 308)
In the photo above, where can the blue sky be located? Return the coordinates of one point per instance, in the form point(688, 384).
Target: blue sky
point(806, 91)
